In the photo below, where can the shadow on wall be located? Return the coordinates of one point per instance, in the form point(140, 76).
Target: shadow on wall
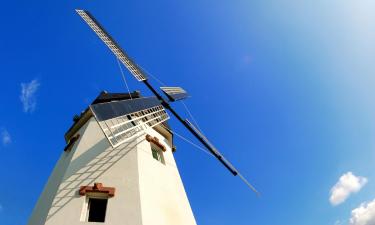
point(86, 169)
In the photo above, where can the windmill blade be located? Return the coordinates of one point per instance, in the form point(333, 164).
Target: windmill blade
point(213, 150)
point(119, 127)
point(112, 45)
point(123, 120)
point(218, 155)
point(174, 93)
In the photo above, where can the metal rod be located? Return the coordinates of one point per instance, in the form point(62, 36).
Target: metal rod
point(199, 137)
point(140, 76)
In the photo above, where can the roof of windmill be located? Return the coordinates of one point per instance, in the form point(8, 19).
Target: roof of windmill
point(103, 97)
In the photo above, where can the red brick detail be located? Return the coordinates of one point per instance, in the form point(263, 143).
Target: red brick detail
point(155, 140)
point(97, 188)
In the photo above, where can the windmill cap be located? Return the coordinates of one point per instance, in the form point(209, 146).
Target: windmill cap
point(104, 96)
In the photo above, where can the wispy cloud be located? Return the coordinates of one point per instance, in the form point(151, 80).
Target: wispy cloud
point(347, 184)
point(1, 208)
point(364, 214)
point(5, 137)
point(28, 98)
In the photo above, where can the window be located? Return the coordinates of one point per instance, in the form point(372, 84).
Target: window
point(96, 209)
point(95, 203)
point(157, 154)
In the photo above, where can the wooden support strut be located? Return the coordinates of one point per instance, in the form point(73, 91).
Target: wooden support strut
point(71, 142)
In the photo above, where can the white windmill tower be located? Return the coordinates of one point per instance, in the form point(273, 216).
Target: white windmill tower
point(118, 165)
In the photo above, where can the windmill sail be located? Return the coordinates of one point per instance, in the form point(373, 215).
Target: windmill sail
point(115, 48)
point(213, 150)
point(119, 128)
point(123, 120)
point(174, 93)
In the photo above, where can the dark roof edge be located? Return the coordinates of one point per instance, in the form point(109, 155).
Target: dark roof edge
point(104, 96)
point(79, 121)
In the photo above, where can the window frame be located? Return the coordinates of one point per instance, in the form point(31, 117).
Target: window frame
point(160, 153)
point(86, 207)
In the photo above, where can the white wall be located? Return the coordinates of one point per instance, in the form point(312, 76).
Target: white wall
point(41, 209)
point(147, 192)
point(163, 197)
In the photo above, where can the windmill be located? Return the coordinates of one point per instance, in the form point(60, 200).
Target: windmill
point(118, 165)
point(173, 94)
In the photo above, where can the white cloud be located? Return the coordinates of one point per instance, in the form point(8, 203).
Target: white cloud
point(339, 222)
point(364, 214)
point(347, 184)
point(5, 138)
point(27, 96)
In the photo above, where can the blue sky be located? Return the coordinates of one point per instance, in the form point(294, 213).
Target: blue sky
point(283, 88)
